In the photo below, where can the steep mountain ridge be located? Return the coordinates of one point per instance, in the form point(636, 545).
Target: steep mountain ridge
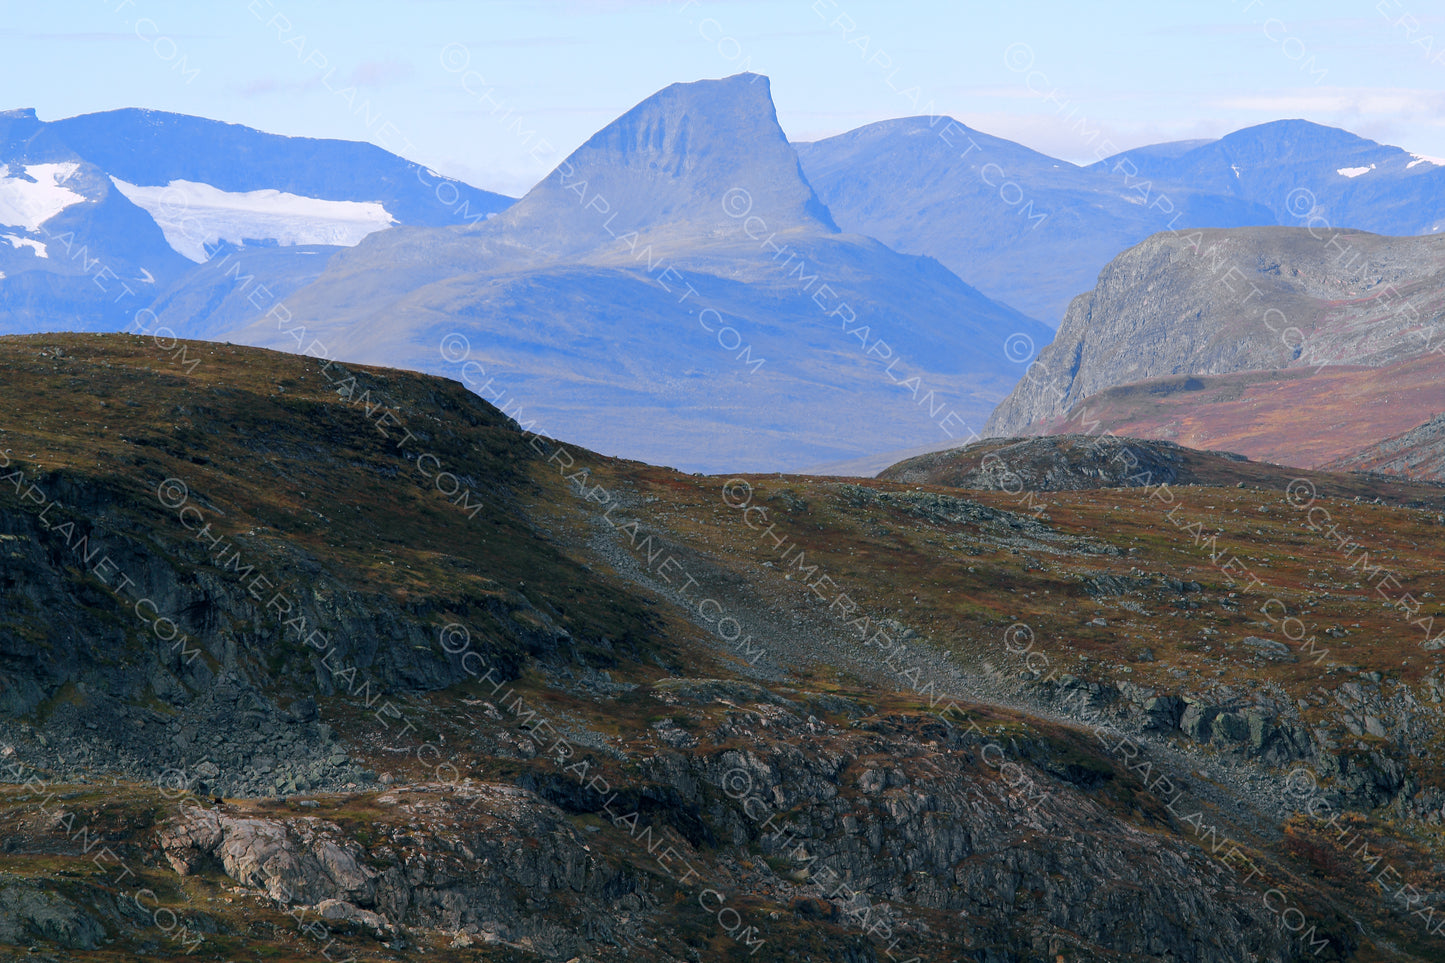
point(669, 165)
point(675, 292)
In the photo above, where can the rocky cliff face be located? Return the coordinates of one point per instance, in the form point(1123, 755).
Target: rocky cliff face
point(1219, 301)
point(905, 812)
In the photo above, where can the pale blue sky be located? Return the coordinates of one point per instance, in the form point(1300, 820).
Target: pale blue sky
point(1137, 71)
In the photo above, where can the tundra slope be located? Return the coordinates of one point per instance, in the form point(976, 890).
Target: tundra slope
point(570, 580)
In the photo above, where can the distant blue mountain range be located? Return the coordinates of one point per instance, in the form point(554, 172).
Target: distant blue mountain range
point(1034, 231)
point(137, 197)
point(894, 278)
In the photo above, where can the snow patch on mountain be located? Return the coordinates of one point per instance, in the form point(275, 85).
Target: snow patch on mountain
point(193, 216)
point(19, 242)
point(1354, 171)
point(1425, 159)
point(31, 198)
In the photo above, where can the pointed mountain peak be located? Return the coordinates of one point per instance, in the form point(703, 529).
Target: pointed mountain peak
point(692, 158)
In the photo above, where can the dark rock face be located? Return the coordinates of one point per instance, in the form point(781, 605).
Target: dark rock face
point(217, 677)
point(519, 873)
point(909, 816)
point(29, 913)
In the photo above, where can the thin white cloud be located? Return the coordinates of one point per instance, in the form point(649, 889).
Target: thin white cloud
point(381, 73)
point(1365, 102)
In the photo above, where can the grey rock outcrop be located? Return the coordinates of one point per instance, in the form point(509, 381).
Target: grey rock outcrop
point(1195, 303)
point(509, 868)
point(29, 912)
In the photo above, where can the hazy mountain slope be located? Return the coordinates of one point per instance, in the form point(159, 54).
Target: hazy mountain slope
point(980, 790)
point(103, 213)
point(1204, 303)
point(1301, 170)
point(929, 185)
point(75, 253)
point(236, 281)
point(1034, 231)
point(152, 147)
point(589, 302)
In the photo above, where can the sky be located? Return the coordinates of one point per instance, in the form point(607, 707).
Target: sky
point(497, 92)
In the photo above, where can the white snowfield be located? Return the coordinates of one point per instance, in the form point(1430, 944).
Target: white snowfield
point(1354, 171)
point(32, 200)
point(1425, 159)
point(19, 242)
point(193, 215)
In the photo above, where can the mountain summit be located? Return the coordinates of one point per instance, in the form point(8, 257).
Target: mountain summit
point(673, 162)
point(675, 291)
